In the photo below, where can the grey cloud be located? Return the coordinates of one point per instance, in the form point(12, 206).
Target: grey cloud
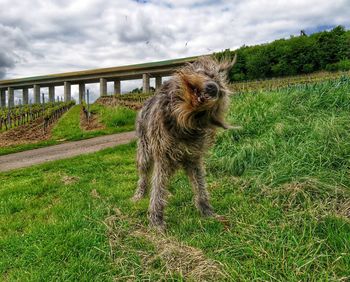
point(6, 62)
point(62, 35)
point(140, 27)
point(12, 37)
point(13, 45)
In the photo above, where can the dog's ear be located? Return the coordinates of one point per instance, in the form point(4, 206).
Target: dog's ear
point(226, 65)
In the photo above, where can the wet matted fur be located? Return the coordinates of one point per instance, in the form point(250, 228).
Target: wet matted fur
point(176, 127)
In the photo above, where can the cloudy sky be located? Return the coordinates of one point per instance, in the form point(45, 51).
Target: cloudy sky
point(52, 36)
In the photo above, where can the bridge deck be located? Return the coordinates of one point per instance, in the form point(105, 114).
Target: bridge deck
point(162, 68)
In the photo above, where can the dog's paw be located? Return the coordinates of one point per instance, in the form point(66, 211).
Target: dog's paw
point(158, 228)
point(207, 212)
point(205, 209)
point(157, 222)
point(137, 197)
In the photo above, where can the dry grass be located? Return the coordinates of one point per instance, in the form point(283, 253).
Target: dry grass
point(188, 261)
point(68, 180)
point(178, 259)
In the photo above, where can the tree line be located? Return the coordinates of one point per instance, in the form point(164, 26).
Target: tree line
point(326, 50)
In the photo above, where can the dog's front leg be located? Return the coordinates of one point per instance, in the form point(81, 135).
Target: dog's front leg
point(196, 174)
point(161, 174)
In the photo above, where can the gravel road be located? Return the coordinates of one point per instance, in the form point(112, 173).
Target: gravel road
point(63, 151)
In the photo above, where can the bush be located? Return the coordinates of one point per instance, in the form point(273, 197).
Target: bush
point(343, 65)
point(326, 50)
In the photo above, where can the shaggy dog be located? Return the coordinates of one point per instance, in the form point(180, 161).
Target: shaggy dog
point(176, 127)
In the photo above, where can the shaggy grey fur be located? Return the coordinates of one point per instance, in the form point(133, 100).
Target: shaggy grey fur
point(176, 127)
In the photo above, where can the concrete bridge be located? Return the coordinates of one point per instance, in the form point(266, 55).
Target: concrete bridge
point(102, 76)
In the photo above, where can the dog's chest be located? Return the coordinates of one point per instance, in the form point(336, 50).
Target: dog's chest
point(190, 147)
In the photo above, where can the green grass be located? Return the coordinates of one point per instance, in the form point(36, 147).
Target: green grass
point(115, 120)
point(282, 182)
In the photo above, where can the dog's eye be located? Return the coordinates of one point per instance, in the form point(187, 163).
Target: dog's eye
point(194, 89)
point(209, 74)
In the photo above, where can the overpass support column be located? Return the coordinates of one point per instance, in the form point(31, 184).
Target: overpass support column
point(51, 93)
point(25, 96)
point(145, 87)
point(158, 82)
point(81, 92)
point(103, 87)
point(67, 91)
point(3, 97)
point(36, 92)
point(117, 86)
point(11, 97)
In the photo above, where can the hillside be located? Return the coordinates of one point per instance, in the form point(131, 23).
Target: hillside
point(282, 182)
point(320, 51)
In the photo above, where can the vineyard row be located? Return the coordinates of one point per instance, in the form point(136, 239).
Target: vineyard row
point(11, 118)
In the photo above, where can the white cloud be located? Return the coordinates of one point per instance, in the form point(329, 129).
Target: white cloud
point(41, 37)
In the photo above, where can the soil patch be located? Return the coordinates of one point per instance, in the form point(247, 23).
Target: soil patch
point(93, 123)
point(26, 134)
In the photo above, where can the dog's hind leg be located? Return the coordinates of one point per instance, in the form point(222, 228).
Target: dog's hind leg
point(196, 173)
point(144, 165)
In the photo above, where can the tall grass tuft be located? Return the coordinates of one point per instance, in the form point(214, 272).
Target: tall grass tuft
point(289, 135)
point(118, 116)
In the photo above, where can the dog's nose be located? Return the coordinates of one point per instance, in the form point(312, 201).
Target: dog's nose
point(212, 89)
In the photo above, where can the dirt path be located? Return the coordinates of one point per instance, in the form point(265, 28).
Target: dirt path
point(63, 151)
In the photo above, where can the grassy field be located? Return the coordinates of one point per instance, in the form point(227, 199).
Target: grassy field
point(282, 182)
point(113, 120)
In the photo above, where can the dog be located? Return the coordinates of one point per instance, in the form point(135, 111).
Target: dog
point(176, 127)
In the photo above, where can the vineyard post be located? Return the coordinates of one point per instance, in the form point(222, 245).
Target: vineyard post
point(43, 98)
point(88, 104)
point(30, 110)
point(9, 118)
point(20, 112)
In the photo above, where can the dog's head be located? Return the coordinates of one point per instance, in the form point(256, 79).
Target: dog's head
point(204, 82)
point(203, 89)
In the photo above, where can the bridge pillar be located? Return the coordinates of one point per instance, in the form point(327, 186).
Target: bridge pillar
point(11, 97)
point(158, 82)
point(51, 93)
point(36, 92)
point(3, 97)
point(25, 95)
point(145, 87)
point(103, 86)
point(81, 92)
point(117, 86)
point(67, 91)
